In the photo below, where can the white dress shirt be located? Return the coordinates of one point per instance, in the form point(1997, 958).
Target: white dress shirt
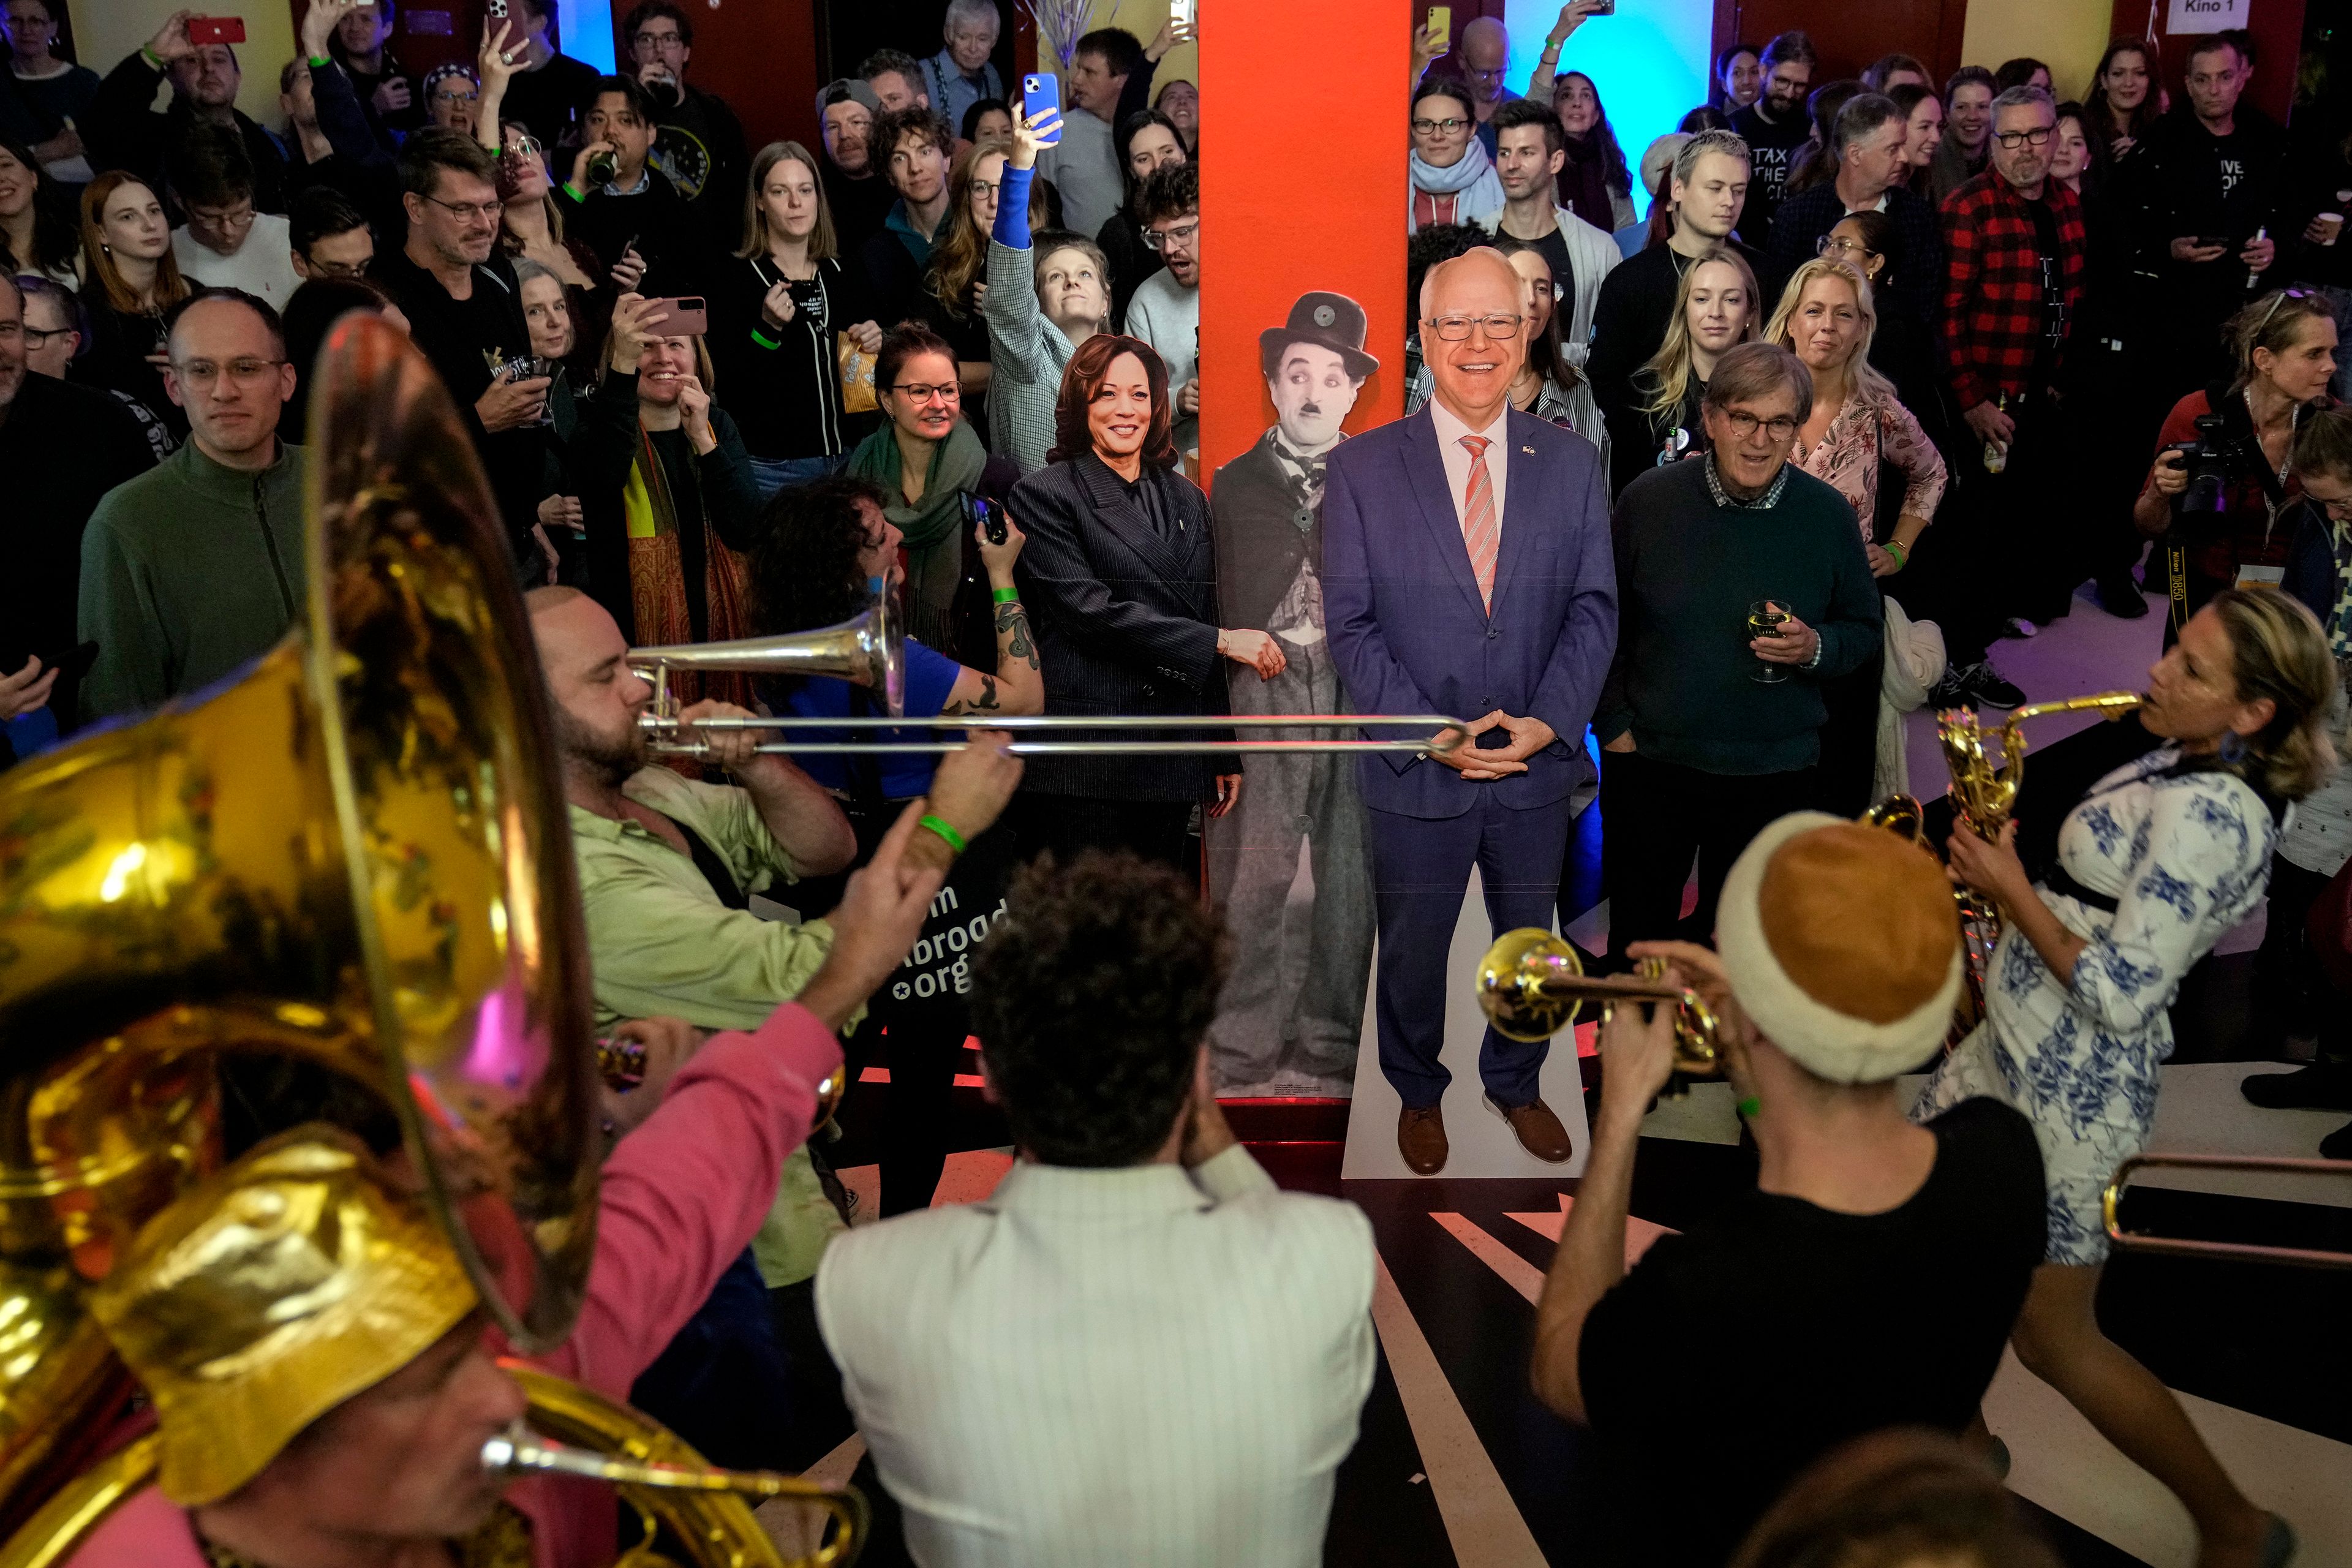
point(1450, 432)
point(1142, 1366)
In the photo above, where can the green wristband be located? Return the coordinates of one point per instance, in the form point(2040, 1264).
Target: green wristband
point(1750, 1106)
point(764, 340)
point(573, 192)
point(1900, 551)
point(948, 835)
point(1005, 595)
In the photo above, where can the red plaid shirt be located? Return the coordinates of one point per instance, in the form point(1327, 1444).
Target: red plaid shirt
point(1992, 283)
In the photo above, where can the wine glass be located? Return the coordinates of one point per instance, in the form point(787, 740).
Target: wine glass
point(1765, 619)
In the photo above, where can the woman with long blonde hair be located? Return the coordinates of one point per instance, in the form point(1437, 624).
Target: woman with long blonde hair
point(1716, 308)
point(954, 280)
point(128, 279)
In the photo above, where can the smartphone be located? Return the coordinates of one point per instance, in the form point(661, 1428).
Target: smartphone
point(1042, 92)
point(1605, 8)
point(980, 509)
point(2223, 240)
point(1180, 13)
point(689, 316)
point(74, 661)
point(203, 30)
point(498, 10)
point(1441, 18)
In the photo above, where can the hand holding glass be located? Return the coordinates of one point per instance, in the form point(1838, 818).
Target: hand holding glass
point(1765, 619)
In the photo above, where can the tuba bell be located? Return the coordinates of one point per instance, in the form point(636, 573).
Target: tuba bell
point(337, 887)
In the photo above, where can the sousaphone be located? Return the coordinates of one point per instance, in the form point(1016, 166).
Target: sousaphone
point(336, 888)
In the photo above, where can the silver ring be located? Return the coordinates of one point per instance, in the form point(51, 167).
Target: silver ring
point(506, 58)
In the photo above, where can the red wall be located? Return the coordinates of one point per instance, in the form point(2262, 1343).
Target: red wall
point(1268, 238)
point(2277, 28)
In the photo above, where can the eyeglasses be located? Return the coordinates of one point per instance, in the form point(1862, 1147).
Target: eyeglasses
point(645, 43)
point(1744, 425)
point(1180, 236)
point(241, 218)
point(1455, 328)
point(463, 210)
point(986, 187)
point(446, 96)
point(201, 374)
point(525, 145)
point(2281, 298)
point(1831, 242)
point(2011, 141)
point(1438, 127)
point(37, 338)
point(2337, 510)
point(337, 269)
point(945, 392)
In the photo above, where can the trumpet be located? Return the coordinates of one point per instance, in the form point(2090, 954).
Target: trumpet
point(2111, 1204)
point(1531, 984)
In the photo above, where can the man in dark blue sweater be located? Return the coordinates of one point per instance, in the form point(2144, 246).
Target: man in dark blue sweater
point(1712, 732)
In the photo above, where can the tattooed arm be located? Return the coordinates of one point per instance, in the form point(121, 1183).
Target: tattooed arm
point(1018, 686)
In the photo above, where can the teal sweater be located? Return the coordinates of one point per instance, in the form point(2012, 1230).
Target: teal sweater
point(187, 572)
point(1686, 572)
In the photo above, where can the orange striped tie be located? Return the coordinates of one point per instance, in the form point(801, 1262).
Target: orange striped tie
point(1480, 533)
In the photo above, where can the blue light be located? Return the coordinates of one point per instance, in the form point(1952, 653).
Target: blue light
point(586, 29)
point(1650, 61)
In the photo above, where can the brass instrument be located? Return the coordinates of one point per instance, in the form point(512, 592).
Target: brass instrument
point(338, 888)
point(1983, 794)
point(1531, 984)
point(870, 651)
point(2111, 1203)
point(664, 1481)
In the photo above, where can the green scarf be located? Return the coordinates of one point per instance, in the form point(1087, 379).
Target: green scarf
point(933, 526)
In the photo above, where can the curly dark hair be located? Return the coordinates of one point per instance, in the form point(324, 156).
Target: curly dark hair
point(1091, 997)
point(805, 572)
point(1171, 192)
point(1074, 437)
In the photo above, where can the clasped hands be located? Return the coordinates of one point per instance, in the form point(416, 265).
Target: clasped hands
point(1528, 736)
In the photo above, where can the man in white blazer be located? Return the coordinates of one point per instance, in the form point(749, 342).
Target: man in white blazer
point(1137, 1351)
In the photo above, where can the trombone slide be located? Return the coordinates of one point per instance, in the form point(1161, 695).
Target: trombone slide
point(2111, 1203)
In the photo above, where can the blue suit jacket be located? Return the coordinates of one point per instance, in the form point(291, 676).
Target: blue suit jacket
point(1407, 627)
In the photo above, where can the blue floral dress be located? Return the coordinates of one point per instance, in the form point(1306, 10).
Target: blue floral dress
point(2186, 856)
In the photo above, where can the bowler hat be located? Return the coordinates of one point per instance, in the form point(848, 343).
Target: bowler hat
point(1329, 321)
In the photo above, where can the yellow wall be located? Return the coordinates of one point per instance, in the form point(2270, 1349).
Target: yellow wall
point(106, 30)
point(1144, 18)
point(2068, 35)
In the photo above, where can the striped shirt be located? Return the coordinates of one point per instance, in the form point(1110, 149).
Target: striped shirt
point(1146, 1366)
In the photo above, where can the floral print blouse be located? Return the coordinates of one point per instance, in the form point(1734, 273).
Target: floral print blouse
point(1847, 456)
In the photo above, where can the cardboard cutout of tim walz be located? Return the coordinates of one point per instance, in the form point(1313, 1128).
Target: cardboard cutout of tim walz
point(1293, 1011)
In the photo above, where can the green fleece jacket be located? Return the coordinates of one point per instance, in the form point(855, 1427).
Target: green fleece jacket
point(187, 572)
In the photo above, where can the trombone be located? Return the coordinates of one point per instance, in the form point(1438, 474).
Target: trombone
point(869, 650)
point(2111, 1204)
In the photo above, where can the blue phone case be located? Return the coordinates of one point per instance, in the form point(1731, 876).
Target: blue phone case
point(1042, 92)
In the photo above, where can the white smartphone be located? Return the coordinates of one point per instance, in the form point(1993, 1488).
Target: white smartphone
point(1180, 12)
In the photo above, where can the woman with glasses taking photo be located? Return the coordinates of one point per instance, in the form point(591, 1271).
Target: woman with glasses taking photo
point(930, 467)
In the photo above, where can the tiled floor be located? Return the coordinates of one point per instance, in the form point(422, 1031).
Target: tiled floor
point(1457, 1464)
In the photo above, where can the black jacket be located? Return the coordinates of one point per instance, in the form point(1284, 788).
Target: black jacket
point(1263, 535)
point(1127, 621)
point(719, 490)
point(49, 503)
point(125, 133)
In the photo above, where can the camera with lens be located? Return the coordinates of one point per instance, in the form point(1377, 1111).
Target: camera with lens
point(2207, 460)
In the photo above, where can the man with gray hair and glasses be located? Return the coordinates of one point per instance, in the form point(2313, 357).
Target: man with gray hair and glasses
point(1741, 591)
point(961, 74)
point(1871, 135)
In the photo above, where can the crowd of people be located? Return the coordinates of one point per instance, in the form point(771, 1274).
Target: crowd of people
point(1865, 375)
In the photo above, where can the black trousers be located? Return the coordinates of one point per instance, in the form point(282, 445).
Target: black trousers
point(2292, 996)
point(1066, 825)
point(1656, 816)
point(1996, 550)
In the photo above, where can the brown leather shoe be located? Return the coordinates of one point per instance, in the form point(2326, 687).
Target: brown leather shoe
point(1539, 1130)
point(1420, 1139)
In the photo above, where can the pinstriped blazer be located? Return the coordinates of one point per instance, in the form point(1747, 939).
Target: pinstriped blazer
point(1126, 621)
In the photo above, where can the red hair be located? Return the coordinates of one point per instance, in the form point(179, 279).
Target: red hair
point(1089, 368)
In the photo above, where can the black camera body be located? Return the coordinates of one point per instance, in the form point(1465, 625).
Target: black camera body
point(2207, 458)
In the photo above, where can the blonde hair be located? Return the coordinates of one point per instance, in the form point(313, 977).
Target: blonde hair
point(963, 251)
point(2275, 321)
point(169, 287)
point(1875, 390)
point(2277, 650)
point(1669, 370)
point(823, 242)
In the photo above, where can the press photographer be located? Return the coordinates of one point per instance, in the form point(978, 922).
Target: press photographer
point(2219, 494)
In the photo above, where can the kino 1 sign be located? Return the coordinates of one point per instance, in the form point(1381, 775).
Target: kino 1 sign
point(2206, 16)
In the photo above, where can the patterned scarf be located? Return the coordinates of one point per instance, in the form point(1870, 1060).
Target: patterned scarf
point(2339, 620)
point(657, 580)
